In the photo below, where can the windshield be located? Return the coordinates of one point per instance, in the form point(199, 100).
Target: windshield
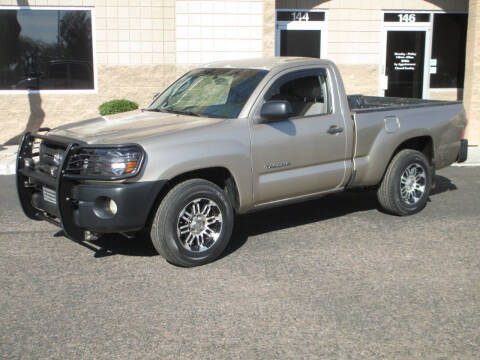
point(219, 93)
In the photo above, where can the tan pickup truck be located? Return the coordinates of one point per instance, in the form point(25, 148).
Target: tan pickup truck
point(229, 138)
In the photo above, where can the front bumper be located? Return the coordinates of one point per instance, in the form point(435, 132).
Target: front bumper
point(133, 201)
point(77, 205)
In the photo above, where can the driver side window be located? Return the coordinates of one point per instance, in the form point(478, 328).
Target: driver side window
point(307, 92)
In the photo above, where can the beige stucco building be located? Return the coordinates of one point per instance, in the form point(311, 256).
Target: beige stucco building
point(383, 47)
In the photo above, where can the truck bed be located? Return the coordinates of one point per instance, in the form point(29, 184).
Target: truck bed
point(362, 103)
point(385, 122)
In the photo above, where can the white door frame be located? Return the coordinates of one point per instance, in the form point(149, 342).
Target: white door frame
point(407, 26)
point(303, 25)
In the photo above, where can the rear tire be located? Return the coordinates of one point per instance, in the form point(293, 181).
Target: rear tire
point(193, 223)
point(407, 183)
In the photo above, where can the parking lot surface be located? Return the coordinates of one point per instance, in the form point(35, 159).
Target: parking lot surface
point(333, 278)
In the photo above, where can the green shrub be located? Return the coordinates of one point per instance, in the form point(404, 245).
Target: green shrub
point(117, 106)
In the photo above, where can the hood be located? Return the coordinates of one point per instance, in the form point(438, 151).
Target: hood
point(130, 127)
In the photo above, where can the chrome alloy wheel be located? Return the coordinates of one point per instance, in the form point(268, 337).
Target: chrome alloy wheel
point(199, 225)
point(413, 183)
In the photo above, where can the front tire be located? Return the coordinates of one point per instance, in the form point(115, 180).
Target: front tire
point(193, 224)
point(406, 185)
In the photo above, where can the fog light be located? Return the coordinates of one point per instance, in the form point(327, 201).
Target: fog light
point(104, 207)
point(113, 207)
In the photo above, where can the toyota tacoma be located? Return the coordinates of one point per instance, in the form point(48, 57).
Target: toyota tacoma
point(229, 138)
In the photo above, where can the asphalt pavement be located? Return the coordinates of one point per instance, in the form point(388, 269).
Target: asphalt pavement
point(333, 278)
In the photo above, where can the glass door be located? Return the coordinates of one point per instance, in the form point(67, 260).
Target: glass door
point(407, 49)
point(405, 63)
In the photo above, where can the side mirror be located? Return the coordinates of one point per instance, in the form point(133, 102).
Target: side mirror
point(276, 110)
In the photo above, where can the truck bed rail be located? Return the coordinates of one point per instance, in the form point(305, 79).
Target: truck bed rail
point(362, 103)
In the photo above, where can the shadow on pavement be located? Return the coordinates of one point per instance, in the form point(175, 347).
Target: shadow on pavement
point(442, 184)
point(117, 244)
point(330, 206)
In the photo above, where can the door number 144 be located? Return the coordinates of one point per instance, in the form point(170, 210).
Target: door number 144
point(300, 16)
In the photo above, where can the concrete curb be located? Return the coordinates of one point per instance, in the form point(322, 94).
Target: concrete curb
point(473, 157)
point(465, 164)
point(8, 156)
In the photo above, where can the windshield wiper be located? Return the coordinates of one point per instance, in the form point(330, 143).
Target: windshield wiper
point(181, 112)
point(151, 109)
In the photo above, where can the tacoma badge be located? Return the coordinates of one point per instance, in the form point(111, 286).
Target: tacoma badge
point(278, 164)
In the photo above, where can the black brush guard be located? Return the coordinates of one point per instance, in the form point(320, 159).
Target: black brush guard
point(75, 195)
point(29, 180)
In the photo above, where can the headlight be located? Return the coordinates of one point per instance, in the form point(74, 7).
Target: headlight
point(106, 163)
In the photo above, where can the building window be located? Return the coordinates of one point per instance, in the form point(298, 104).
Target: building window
point(45, 49)
point(448, 50)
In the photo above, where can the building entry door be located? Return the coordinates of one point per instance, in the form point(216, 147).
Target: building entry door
point(407, 53)
point(405, 63)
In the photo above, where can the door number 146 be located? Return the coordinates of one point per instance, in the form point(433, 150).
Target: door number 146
point(409, 18)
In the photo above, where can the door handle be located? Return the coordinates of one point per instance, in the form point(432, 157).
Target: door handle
point(334, 129)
